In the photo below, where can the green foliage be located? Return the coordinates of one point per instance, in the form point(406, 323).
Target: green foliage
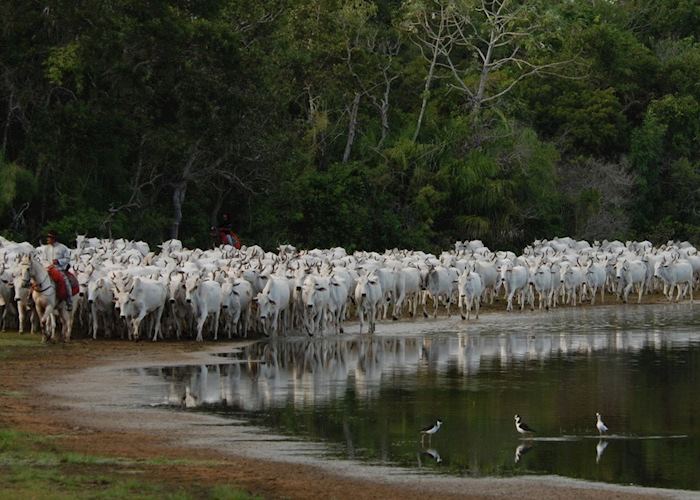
point(107, 108)
point(18, 185)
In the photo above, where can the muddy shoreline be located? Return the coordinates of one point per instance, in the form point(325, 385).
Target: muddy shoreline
point(100, 396)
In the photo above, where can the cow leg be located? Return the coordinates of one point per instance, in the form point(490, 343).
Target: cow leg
point(360, 314)
point(136, 325)
point(95, 324)
point(200, 326)
point(398, 305)
point(509, 307)
point(156, 329)
point(217, 315)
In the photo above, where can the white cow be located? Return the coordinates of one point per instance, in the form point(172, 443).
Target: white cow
point(439, 284)
point(594, 277)
point(412, 289)
point(489, 278)
point(204, 296)
point(676, 273)
point(469, 289)
point(273, 305)
point(630, 273)
point(315, 297)
point(368, 295)
point(145, 296)
point(230, 307)
point(541, 280)
point(571, 281)
point(23, 301)
point(244, 290)
point(515, 280)
point(100, 298)
point(180, 313)
point(338, 302)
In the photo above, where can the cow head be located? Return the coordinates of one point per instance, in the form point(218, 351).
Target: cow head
point(176, 287)
point(191, 287)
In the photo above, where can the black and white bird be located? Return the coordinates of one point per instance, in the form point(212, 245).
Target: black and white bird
point(521, 426)
point(602, 428)
point(430, 430)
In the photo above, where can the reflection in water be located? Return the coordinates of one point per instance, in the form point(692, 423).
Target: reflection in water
point(308, 373)
point(599, 449)
point(521, 450)
point(367, 396)
point(431, 453)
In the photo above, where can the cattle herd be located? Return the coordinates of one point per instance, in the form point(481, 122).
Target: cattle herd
point(128, 290)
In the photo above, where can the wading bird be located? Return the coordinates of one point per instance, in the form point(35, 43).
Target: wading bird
point(521, 426)
point(430, 430)
point(602, 428)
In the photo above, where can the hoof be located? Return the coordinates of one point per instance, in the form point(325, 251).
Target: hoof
point(463, 317)
point(425, 315)
point(395, 318)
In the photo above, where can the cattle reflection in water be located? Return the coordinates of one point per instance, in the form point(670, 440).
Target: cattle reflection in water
point(308, 373)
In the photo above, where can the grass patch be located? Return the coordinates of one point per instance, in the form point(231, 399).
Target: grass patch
point(35, 466)
point(11, 342)
point(15, 339)
point(11, 394)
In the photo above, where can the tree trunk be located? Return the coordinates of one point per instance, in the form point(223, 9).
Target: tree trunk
point(7, 123)
point(352, 126)
point(384, 111)
point(483, 78)
point(428, 81)
point(178, 200)
point(221, 196)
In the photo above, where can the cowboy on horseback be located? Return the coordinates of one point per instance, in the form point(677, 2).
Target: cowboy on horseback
point(58, 255)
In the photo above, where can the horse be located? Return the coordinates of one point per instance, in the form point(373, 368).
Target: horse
point(45, 298)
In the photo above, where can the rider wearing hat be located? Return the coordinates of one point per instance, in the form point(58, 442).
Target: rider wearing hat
point(58, 255)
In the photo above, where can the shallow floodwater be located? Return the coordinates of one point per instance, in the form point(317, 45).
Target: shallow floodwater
point(367, 397)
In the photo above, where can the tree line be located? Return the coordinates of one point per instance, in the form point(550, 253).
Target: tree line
point(366, 124)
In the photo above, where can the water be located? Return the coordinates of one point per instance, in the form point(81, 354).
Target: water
point(368, 397)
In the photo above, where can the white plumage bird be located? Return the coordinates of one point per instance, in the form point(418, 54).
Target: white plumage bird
point(602, 428)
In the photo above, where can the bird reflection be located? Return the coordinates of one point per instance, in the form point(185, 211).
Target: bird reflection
point(429, 452)
point(599, 449)
point(521, 450)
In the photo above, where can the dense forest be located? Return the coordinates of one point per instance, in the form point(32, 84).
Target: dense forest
point(367, 124)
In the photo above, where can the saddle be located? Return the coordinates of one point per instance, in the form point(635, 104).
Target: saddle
point(57, 277)
point(227, 237)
